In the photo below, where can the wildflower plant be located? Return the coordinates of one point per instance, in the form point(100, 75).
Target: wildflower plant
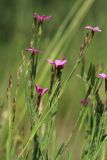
point(42, 114)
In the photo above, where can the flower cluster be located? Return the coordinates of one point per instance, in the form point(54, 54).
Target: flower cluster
point(58, 64)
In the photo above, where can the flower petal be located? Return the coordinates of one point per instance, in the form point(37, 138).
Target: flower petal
point(41, 18)
point(94, 29)
point(33, 50)
point(50, 61)
point(44, 91)
point(60, 63)
point(40, 90)
point(102, 75)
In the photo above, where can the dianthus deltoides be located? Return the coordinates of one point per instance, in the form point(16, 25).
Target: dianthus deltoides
point(41, 18)
point(94, 29)
point(37, 26)
point(40, 90)
point(102, 75)
point(85, 102)
point(88, 38)
point(58, 63)
point(57, 66)
point(33, 50)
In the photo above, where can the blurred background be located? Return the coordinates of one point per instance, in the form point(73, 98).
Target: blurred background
point(15, 35)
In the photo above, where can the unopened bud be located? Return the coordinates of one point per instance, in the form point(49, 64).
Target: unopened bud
point(19, 73)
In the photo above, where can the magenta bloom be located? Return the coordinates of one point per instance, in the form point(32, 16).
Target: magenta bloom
point(33, 50)
point(102, 75)
point(41, 18)
point(94, 29)
point(58, 63)
point(85, 102)
point(40, 90)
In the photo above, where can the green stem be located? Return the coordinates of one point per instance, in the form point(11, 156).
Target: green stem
point(10, 130)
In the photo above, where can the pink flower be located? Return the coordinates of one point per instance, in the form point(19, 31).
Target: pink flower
point(85, 102)
point(33, 50)
point(58, 63)
point(94, 29)
point(40, 90)
point(41, 18)
point(102, 75)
